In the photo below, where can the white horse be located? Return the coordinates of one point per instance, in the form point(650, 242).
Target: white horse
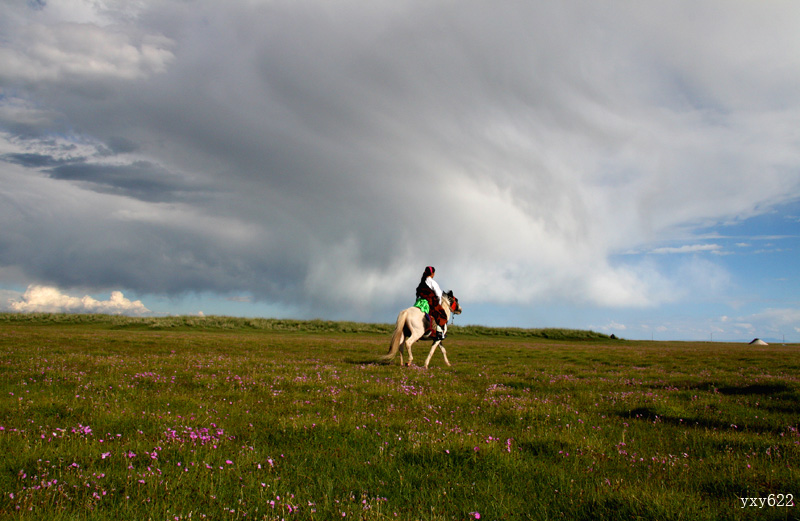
point(411, 327)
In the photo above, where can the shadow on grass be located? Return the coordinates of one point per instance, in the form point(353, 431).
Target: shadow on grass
point(756, 389)
point(619, 508)
point(368, 360)
point(651, 415)
point(778, 397)
point(545, 447)
point(728, 487)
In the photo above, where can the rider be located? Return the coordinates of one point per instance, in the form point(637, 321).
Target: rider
point(429, 295)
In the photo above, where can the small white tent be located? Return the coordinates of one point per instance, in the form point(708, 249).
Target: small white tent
point(758, 342)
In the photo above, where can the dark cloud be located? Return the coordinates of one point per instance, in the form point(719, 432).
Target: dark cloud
point(140, 180)
point(32, 160)
point(120, 145)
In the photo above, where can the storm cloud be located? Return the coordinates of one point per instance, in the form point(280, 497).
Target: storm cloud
point(319, 155)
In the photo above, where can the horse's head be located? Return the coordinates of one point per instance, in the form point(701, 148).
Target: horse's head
point(455, 307)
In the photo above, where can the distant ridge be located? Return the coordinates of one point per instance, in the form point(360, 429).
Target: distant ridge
point(215, 322)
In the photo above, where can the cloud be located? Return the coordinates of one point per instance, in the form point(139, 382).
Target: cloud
point(139, 179)
point(613, 326)
point(772, 323)
point(774, 320)
point(79, 52)
point(240, 298)
point(693, 248)
point(320, 162)
point(45, 299)
point(8, 296)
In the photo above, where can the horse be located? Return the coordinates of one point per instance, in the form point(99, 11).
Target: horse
point(411, 327)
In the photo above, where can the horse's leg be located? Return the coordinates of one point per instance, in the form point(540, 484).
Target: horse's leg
point(444, 353)
point(441, 346)
point(416, 329)
point(433, 350)
point(400, 348)
point(413, 337)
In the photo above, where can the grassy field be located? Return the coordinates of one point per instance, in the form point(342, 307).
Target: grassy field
point(188, 418)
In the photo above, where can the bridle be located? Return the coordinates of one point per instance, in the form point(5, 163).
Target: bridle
point(453, 308)
point(454, 305)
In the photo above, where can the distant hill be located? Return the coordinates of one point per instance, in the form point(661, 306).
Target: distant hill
point(214, 322)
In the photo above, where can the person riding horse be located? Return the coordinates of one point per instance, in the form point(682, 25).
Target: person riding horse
point(429, 296)
point(429, 313)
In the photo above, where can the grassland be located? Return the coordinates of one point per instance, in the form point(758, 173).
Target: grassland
point(188, 418)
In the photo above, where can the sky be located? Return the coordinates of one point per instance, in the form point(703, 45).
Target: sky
point(627, 167)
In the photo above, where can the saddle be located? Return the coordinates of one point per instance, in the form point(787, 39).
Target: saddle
point(430, 326)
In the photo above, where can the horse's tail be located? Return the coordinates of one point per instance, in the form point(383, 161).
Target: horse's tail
point(397, 337)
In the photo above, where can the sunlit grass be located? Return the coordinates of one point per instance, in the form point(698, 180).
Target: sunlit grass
point(106, 418)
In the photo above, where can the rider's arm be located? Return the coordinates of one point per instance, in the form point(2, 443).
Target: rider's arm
point(435, 287)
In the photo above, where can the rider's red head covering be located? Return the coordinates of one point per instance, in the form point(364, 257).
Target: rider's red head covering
point(430, 270)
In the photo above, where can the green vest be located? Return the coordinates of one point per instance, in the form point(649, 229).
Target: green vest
point(422, 304)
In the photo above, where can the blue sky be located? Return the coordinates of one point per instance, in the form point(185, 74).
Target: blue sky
point(756, 294)
point(628, 168)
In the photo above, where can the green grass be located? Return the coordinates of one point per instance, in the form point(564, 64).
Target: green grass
point(217, 418)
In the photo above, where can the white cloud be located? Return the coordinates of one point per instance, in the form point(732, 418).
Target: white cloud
point(46, 299)
point(98, 12)
point(614, 326)
point(770, 323)
point(775, 318)
point(69, 51)
point(7, 296)
point(692, 248)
